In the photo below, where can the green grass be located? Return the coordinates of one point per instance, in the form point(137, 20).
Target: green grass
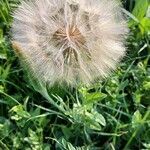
point(113, 114)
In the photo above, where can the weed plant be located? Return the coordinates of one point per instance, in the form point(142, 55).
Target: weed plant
point(113, 114)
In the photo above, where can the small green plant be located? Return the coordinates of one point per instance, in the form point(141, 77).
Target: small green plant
point(113, 114)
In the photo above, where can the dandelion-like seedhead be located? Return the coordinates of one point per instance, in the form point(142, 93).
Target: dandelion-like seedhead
point(69, 40)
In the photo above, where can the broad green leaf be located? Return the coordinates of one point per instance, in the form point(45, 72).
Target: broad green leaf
point(146, 145)
point(146, 85)
point(93, 121)
point(91, 98)
point(66, 145)
point(123, 85)
point(3, 56)
point(137, 96)
point(140, 8)
point(99, 118)
point(94, 97)
point(63, 144)
point(6, 72)
point(145, 25)
point(136, 119)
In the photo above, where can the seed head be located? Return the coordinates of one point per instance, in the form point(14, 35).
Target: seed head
point(70, 40)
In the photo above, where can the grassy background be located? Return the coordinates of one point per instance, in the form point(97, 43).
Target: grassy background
point(112, 115)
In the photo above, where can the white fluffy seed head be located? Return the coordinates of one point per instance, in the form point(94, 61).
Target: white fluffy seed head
point(69, 40)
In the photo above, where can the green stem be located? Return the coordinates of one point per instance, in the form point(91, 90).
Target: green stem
point(10, 97)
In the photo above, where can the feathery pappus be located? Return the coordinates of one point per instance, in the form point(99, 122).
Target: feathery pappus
point(69, 40)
